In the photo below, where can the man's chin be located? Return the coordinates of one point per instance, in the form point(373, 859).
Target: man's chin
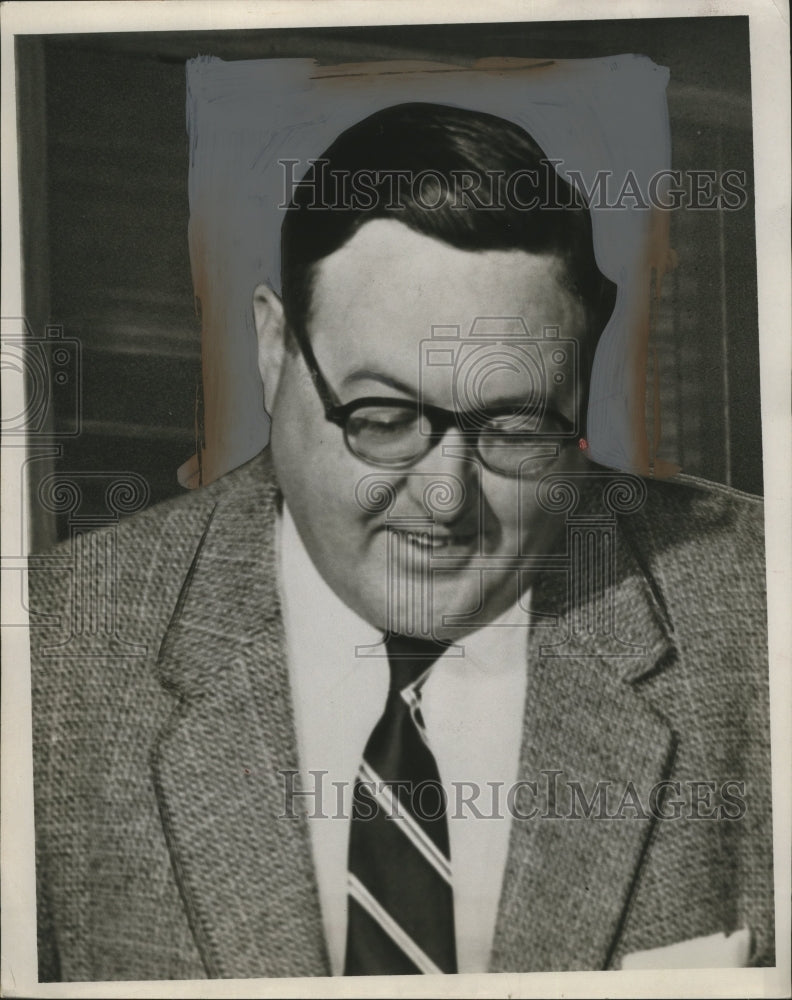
point(443, 615)
point(445, 605)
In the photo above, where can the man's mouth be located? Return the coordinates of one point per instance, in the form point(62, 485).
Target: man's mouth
point(440, 541)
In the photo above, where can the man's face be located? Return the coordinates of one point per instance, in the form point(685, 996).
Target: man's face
point(374, 301)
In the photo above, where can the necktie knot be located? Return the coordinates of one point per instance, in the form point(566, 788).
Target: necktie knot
point(409, 657)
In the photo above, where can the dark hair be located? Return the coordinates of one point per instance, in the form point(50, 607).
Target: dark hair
point(407, 162)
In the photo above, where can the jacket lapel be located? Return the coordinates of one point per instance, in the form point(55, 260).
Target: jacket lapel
point(568, 881)
point(245, 874)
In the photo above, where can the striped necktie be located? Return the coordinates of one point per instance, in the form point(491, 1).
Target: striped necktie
point(400, 896)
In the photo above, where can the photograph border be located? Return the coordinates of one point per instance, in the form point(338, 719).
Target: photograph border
point(769, 27)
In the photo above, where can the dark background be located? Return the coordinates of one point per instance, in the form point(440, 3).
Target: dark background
point(103, 150)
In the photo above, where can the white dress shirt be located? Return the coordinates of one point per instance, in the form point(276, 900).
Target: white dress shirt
point(473, 707)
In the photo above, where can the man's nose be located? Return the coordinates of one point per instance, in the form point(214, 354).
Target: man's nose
point(445, 482)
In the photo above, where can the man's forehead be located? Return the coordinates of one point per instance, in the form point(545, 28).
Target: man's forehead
point(389, 287)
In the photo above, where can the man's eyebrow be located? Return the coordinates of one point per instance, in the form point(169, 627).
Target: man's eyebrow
point(510, 403)
point(368, 375)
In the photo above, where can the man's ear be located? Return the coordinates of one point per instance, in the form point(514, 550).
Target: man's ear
point(271, 332)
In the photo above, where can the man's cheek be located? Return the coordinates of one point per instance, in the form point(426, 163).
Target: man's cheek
point(538, 531)
point(502, 508)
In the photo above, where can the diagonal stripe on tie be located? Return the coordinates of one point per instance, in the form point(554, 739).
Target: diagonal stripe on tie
point(406, 885)
point(404, 820)
point(401, 904)
point(385, 934)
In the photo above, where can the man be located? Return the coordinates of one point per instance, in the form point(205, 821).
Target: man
point(421, 689)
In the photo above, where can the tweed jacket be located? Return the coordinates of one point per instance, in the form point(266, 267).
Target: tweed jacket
point(158, 738)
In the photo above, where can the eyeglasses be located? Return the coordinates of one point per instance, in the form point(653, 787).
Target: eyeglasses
point(397, 433)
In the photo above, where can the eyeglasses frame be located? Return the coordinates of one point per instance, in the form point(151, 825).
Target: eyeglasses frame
point(440, 419)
